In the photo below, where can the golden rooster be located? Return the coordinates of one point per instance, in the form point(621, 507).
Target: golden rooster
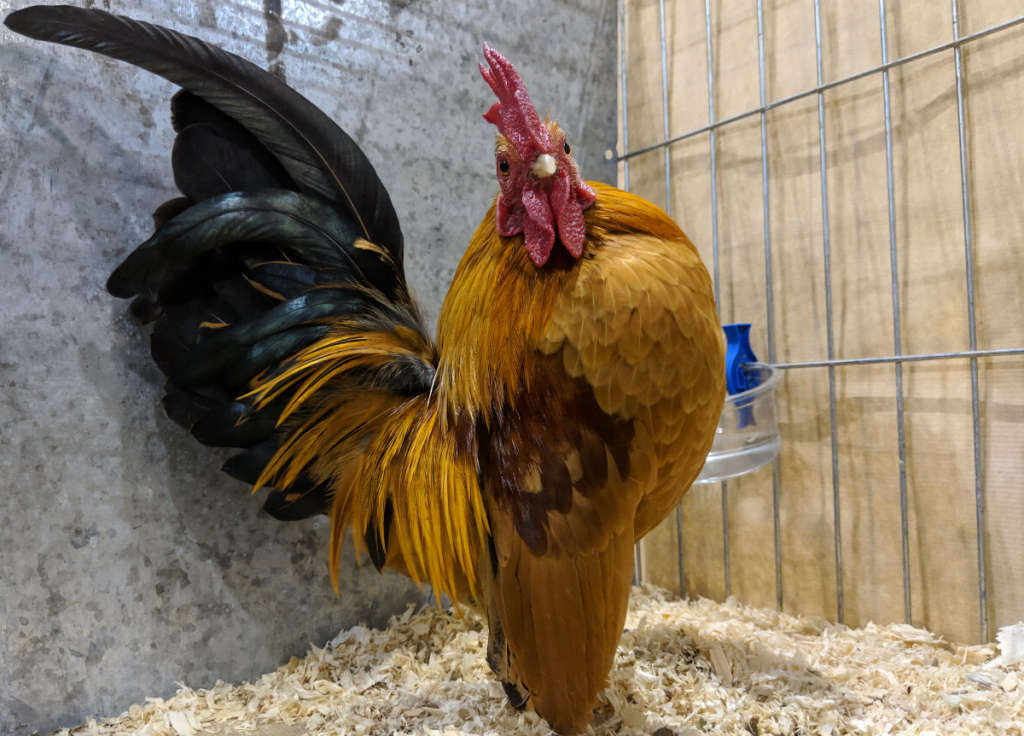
point(568, 404)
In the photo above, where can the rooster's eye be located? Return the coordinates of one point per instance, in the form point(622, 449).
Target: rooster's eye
point(567, 148)
point(503, 165)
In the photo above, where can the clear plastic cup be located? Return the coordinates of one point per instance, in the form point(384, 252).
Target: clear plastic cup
point(747, 436)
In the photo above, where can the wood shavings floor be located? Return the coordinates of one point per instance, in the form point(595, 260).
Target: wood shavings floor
point(683, 668)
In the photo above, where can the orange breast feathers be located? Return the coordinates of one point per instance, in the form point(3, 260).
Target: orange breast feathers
point(634, 320)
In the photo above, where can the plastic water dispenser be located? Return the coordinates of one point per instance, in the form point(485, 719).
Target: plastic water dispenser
point(747, 436)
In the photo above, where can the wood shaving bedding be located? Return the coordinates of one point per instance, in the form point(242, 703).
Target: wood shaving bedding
point(683, 668)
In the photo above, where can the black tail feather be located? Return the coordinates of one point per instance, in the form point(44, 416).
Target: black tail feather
point(271, 351)
point(302, 500)
point(320, 158)
point(308, 230)
point(235, 424)
point(247, 466)
point(185, 408)
point(289, 279)
point(168, 210)
point(284, 233)
point(214, 155)
point(376, 544)
point(207, 164)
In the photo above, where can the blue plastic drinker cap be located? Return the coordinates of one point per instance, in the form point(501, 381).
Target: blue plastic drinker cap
point(738, 352)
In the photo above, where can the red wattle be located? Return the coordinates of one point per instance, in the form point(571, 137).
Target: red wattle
point(538, 226)
point(585, 194)
point(509, 217)
point(568, 215)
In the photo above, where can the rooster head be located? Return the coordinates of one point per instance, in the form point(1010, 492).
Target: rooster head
point(542, 193)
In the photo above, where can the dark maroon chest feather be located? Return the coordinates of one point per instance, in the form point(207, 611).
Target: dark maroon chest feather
point(551, 441)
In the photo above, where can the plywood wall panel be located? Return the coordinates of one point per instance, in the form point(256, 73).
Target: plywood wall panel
point(977, 15)
point(691, 193)
point(752, 539)
point(869, 478)
point(645, 111)
point(661, 556)
point(687, 65)
point(1002, 416)
point(734, 50)
point(798, 256)
point(929, 218)
point(703, 557)
point(741, 227)
point(805, 499)
point(940, 495)
point(858, 220)
point(994, 74)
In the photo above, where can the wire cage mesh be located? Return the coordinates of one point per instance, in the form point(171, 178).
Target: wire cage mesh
point(852, 174)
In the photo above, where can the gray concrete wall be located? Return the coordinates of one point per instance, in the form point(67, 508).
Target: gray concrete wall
point(128, 561)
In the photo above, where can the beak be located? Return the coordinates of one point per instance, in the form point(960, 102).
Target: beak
point(544, 166)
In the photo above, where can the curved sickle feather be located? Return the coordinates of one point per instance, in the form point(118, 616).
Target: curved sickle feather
point(319, 156)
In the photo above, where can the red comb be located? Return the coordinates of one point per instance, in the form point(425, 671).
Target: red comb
point(513, 113)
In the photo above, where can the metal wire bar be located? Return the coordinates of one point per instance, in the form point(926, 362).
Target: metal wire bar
point(638, 547)
point(829, 330)
point(664, 108)
point(712, 145)
point(965, 195)
point(897, 342)
point(993, 353)
point(679, 549)
point(766, 214)
point(668, 210)
point(625, 99)
point(769, 306)
point(638, 563)
point(713, 155)
point(827, 86)
point(725, 539)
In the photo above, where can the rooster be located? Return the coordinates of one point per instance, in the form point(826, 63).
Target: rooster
point(568, 403)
